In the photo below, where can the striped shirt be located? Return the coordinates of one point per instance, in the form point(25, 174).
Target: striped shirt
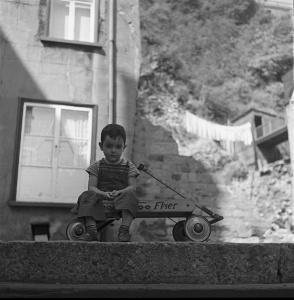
point(93, 169)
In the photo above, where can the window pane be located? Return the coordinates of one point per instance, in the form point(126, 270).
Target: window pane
point(39, 121)
point(59, 16)
point(74, 143)
point(70, 19)
point(82, 23)
point(73, 156)
point(70, 184)
point(38, 136)
point(35, 184)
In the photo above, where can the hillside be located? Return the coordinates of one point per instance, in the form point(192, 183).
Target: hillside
point(214, 58)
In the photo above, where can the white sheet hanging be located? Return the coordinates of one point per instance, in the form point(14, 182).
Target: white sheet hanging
point(212, 131)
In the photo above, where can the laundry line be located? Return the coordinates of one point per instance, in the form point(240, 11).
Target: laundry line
point(218, 132)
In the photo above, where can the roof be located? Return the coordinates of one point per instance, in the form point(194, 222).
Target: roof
point(253, 110)
point(277, 4)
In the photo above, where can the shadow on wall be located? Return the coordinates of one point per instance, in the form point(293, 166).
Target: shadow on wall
point(17, 81)
point(158, 151)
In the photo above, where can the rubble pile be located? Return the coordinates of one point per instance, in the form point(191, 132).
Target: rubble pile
point(278, 175)
point(270, 190)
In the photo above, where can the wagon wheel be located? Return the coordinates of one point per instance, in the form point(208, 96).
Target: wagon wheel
point(197, 228)
point(76, 228)
point(179, 232)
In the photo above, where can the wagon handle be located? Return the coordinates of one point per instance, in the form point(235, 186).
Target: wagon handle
point(215, 217)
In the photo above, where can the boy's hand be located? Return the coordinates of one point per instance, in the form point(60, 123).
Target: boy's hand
point(114, 193)
point(107, 195)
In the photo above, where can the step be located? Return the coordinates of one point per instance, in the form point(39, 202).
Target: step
point(162, 290)
point(66, 262)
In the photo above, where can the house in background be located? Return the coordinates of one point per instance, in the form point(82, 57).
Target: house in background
point(270, 138)
point(67, 68)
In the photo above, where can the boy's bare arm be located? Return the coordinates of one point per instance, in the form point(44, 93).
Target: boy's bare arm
point(131, 184)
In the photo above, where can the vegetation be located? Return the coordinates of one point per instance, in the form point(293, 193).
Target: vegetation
point(216, 58)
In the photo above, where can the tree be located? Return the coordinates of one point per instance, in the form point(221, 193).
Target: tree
point(214, 57)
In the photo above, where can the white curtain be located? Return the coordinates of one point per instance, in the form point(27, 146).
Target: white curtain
point(71, 19)
point(212, 131)
point(82, 26)
point(74, 131)
point(38, 136)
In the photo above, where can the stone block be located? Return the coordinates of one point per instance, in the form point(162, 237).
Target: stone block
point(164, 147)
point(176, 177)
point(55, 56)
point(192, 177)
point(244, 232)
point(252, 240)
point(151, 191)
point(27, 15)
point(141, 191)
point(8, 15)
point(156, 157)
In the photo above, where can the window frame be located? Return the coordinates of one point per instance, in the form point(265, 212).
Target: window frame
point(45, 37)
point(18, 140)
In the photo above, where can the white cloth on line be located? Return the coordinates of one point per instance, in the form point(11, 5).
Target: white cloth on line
point(213, 131)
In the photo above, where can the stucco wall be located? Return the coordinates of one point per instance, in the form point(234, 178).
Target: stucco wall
point(33, 69)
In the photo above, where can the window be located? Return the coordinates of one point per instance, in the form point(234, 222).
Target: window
point(55, 150)
point(74, 20)
point(258, 126)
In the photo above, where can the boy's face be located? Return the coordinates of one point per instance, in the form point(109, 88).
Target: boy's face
point(112, 149)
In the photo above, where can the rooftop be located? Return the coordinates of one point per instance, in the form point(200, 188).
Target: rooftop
point(277, 4)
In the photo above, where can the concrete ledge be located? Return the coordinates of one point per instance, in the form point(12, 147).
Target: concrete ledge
point(29, 290)
point(66, 262)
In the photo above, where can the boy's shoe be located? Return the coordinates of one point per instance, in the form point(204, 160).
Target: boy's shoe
point(89, 236)
point(124, 237)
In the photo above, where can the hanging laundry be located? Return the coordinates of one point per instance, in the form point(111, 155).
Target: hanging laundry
point(213, 131)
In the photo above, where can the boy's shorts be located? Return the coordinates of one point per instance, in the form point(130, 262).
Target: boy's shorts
point(90, 204)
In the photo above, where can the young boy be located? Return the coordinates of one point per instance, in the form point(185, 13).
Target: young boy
point(112, 178)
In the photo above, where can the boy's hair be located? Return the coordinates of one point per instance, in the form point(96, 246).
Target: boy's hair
point(114, 131)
